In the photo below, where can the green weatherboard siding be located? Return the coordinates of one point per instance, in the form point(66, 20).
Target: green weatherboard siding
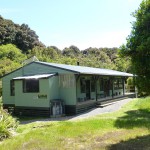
point(49, 87)
point(79, 91)
point(7, 98)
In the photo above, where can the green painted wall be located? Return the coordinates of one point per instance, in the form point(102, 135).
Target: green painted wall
point(54, 91)
point(7, 98)
point(49, 87)
point(36, 68)
point(68, 94)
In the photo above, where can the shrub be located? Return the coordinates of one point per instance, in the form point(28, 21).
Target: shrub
point(130, 81)
point(7, 123)
point(0, 88)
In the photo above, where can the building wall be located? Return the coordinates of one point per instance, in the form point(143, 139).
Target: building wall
point(49, 87)
point(68, 89)
point(48, 90)
point(37, 68)
point(67, 94)
point(7, 98)
point(54, 90)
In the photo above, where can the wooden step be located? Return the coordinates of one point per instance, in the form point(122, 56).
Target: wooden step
point(109, 102)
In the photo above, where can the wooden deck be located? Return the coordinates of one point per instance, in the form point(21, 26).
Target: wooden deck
point(86, 105)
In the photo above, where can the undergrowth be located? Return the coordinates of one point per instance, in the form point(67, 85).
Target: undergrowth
point(7, 123)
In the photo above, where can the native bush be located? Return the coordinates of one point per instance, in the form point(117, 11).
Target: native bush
point(0, 88)
point(7, 123)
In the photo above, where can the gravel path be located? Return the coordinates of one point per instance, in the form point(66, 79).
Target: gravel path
point(110, 108)
point(91, 113)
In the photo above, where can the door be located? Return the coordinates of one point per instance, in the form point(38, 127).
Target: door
point(88, 89)
point(107, 86)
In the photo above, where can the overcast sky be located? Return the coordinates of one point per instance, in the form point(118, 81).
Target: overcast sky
point(83, 23)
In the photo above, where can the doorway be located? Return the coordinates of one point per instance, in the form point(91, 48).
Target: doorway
point(106, 87)
point(88, 89)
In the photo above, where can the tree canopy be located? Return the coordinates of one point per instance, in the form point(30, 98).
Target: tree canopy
point(138, 46)
point(19, 42)
point(22, 36)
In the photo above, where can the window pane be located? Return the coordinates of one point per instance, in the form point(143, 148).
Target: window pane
point(12, 88)
point(118, 84)
point(82, 85)
point(92, 86)
point(31, 86)
point(101, 85)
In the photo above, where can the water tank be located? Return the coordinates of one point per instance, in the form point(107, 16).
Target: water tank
point(57, 108)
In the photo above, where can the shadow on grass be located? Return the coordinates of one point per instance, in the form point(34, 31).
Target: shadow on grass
point(138, 143)
point(134, 118)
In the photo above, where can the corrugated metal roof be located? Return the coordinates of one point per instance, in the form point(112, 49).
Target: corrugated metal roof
point(35, 76)
point(87, 70)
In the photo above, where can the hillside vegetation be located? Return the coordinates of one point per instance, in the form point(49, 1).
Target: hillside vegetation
point(12, 57)
point(19, 42)
point(20, 35)
point(128, 128)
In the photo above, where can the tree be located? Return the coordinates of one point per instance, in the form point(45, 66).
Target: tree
point(26, 38)
point(11, 52)
point(138, 47)
point(72, 51)
point(7, 31)
point(11, 58)
point(22, 36)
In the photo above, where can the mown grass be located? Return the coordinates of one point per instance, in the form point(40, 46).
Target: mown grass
point(128, 128)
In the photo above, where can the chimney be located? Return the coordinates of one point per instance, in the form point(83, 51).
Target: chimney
point(78, 64)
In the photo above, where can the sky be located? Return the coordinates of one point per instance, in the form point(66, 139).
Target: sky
point(83, 23)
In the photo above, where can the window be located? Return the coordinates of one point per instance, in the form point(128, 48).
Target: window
point(31, 86)
point(101, 84)
point(82, 85)
point(12, 88)
point(118, 84)
point(92, 86)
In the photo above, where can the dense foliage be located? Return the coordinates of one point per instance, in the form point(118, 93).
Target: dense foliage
point(0, 88)
point(11, 57)
point(7, 123)
point(22, 36)
point(138, 47)
point(19, 42)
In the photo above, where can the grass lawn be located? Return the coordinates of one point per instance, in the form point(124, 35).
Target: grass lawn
point(126, 129)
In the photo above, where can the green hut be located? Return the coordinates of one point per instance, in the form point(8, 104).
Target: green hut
point(49, 89)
